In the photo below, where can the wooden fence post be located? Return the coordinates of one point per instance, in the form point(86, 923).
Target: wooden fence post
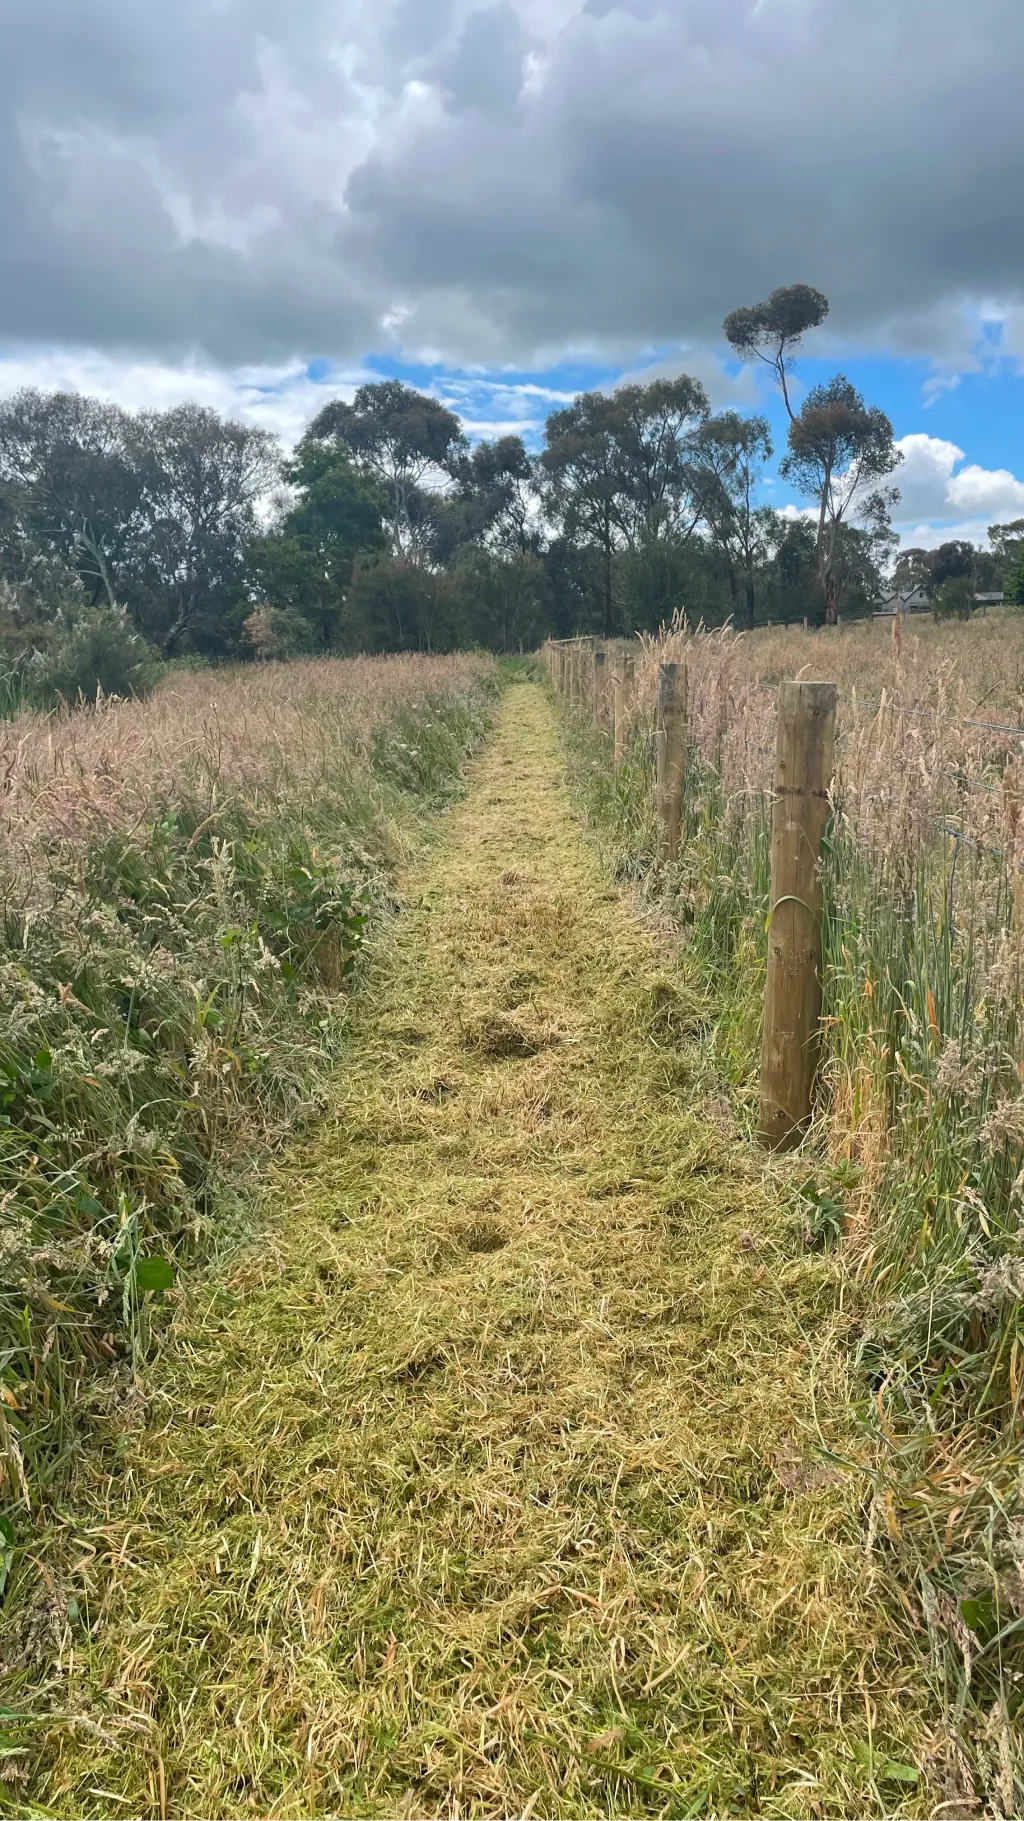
point(671, 756)
point(804, 766)
point(623, 696)
point(600, 666)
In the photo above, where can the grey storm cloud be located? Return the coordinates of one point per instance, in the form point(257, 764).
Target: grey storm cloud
point(260, 179)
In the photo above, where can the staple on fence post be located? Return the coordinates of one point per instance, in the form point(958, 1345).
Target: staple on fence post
point(671, 756)
point(804, 765)
point(623, 696)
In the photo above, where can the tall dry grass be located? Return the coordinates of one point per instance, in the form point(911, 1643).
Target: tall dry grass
point(915, 1167)
point(250, 736)
point(185, 885)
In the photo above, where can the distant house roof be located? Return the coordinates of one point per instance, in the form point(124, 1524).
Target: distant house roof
point(917, 601)
point(990, 600)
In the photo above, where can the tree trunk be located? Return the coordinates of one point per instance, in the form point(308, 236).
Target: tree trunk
point(831, 597)
point(750, 603)
point(176, 631)
point(609, 606)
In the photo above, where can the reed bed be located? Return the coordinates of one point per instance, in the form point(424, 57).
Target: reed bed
point(915, 1169)
point(185, 885)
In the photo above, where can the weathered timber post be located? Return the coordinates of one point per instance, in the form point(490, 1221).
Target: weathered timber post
point(804, 766)
point(623, 696)
point(671, 756)
point(599, 670)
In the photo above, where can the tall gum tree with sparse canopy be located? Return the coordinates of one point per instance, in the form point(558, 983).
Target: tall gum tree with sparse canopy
point(404, 440)
point(74, 491)
point(772, 331)
point(840, 449)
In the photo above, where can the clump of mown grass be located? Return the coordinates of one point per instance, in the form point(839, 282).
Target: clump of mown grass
point(184, 890)
point(921, 1103)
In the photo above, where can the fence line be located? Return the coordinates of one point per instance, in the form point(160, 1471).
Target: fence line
point(800, 799)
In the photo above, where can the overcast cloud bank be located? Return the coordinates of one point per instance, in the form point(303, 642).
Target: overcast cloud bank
point(217, 192)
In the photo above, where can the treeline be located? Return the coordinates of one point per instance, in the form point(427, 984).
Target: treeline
point(130, 537)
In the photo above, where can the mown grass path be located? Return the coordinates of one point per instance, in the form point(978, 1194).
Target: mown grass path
point(489, 1483)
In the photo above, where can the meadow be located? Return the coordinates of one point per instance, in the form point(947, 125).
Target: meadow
point(185, 885)
point(914, 1172)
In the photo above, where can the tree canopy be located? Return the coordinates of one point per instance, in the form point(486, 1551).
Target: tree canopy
point(773, 330)
point(127, 535)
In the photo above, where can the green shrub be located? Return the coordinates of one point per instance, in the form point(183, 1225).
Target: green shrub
point(90, 649)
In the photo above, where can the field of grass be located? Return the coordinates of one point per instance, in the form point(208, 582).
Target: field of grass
point(509, 1473)
point(184, 887)
point(915, 1169)
point(513, 1466)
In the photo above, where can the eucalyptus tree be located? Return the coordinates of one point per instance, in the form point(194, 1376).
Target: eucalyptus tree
point(618, 470)
point(730, 453)
point(73, 492)
point(332, 517)
point(840, 453)
point(203, 481)
point(772, 331)
point(408, 442)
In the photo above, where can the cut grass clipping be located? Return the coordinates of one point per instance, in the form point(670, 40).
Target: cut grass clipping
point(511, 1473)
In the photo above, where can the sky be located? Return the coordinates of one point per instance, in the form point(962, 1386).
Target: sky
point(262, 203)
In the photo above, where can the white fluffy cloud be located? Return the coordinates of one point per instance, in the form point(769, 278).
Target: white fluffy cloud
point(940, 498)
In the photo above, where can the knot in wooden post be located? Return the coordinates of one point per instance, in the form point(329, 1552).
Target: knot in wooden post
point(804, 766)
point(671, 756)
